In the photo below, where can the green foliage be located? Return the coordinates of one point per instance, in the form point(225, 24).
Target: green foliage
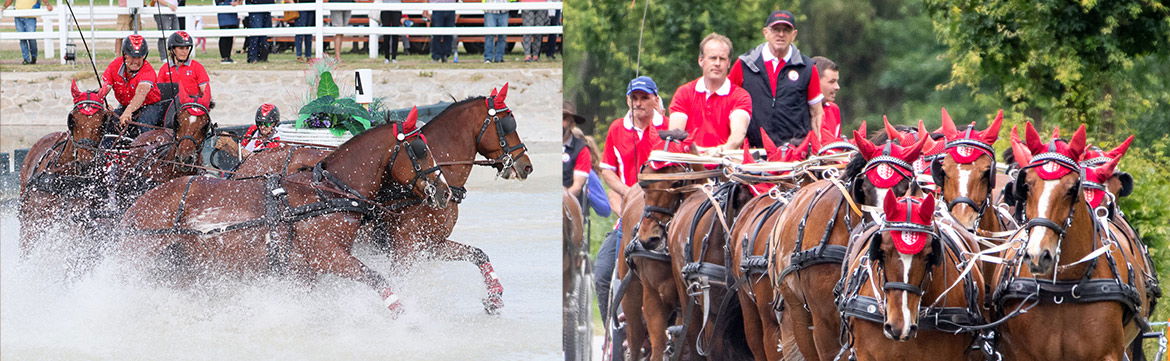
point(339, 115)
point(326, 86)
point(1147, 209)
point(1069, 62)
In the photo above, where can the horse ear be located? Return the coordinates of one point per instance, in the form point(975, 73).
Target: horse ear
point(892, 132)
point(493, 92)
point(914, 151)
point(1121, 149)
point(411, 121)
point(1032, 139)
point(1022, 154)
point(769, 146)
point(890, 205)
point(1014, 135)
point(102, 93)
point(948, 126)
point(1055, 132)
point(73, 89)
point(503, 93)
point(1105, 171)
point(1076, 145)
point(991, 134)
point(801, 150)
point(747, 153)
point(868, 150)
point(926, 212)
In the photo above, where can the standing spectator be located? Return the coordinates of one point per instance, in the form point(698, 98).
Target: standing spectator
point(551, 46)
point(126, 22)
point(441, 45)
point(226, 21)
point(712, 110)
point(783, 83)
point(829, 87)
point(258, 45)
point(303, 43)
point(28, 48)
point(390, 42)
point(493, 45)
point(532, 42)
point(165, 22)
point(200, 41)
point(339, 18)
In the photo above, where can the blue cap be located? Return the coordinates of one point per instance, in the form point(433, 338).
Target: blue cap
point(643, 83)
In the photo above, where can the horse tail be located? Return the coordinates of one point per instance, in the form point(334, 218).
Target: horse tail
point(728, 331)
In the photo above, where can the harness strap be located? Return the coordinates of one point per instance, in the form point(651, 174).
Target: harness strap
point(1079, 291)
point(636, 249)
point(943, 319)
point(827, 253)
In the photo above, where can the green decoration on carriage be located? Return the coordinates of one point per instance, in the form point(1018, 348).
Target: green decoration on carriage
point(325, 108)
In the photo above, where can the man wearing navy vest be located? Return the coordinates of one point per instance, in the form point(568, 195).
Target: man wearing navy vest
point(783, 83)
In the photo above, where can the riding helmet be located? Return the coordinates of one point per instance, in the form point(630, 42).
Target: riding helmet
point(135, 46)
point(267, 115)
point(179, 39)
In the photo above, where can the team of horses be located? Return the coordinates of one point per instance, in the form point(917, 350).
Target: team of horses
point(293, 210)
point(904, 244)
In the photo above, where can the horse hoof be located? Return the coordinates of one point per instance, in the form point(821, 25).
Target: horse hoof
point(492, 304)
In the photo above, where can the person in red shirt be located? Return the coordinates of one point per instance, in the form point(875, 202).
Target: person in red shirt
point(576, 158)
point(712, 110)
point(188, 73)
point(263, 134)
point(619, 164)
point(830, 84)
point(783, 83)
point(132, 80)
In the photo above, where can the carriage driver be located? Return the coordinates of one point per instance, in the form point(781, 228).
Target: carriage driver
point(132, 80)
point(181, 69)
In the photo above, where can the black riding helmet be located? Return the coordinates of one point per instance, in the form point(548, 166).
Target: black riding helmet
point(179, 39)
point(135, 46)
point(267, 115)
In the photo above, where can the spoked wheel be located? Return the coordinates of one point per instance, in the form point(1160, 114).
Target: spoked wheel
point(578, 324)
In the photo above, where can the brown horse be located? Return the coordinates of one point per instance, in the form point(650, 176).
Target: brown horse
point(1071, 271)
point(304, 223)
point(808, 247)
point(62, 178)
point(647, 293)
point(576, 316)
point(905, 275)
point(749, 257)
point(477, 125)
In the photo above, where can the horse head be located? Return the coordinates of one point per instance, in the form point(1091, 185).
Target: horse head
point(906, 251)
point(423, 176)
point(878, 169)
point(832, 142)
point(194, 125)
point(87, 120)
point(1102, 182)
point(499, 140)
point(966, 169)
point(662, 196)
point(1048, 187)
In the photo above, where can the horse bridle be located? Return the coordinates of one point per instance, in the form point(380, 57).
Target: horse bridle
point(84, 143)
point(414, 154)
point(1071, 165)
point(990, 179)
point(506, 159)
point(907, 226)
point(207, 128)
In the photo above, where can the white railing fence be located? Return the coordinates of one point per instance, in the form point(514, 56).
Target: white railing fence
point(58, 24)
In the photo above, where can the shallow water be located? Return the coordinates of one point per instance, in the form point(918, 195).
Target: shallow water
point(110, 313)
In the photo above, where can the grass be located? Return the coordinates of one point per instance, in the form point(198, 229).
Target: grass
point(279, 61)
point(598, 228)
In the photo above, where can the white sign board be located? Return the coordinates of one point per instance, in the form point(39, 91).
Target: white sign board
point(363, 85)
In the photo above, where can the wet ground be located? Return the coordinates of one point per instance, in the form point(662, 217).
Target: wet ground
point(111, 313)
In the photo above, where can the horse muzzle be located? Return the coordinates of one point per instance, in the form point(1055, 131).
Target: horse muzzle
point(899, 334)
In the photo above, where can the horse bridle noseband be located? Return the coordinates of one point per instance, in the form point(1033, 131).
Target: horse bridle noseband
point(506, 159)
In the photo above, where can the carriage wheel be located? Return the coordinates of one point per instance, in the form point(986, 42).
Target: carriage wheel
point(578, 326)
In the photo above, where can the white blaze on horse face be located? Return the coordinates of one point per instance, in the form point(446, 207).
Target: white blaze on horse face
point(964, 179)
point(1037, 233)
point(907, 260)
point(881, 196)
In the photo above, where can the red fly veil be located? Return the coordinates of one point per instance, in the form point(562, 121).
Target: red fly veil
point(909, 219)
point(89, 103)
point(1096, 174)
point(1052, 160)
point(831, 141)
point(968, 145)
point(409, 126)
point(891, 162)
point(498, 98)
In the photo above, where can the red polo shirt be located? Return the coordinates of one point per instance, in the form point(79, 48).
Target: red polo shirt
point(123, 84)
point(621, 148)
point(584, 163)
point(832, 119)
point(709, 113)
point(190, 75)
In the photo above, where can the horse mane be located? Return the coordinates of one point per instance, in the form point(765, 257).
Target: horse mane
point(449, 108)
